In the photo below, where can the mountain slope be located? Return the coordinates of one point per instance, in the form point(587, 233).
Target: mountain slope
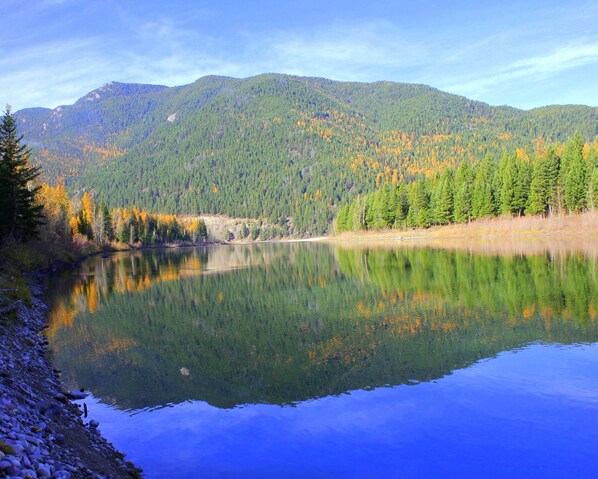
point(290, 148)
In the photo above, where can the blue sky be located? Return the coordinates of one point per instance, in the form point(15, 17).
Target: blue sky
point(519, 53)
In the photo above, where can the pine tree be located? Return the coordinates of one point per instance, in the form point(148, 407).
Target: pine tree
point(443, 202)
point(543, 187)
point(463, 193)
point(507, 175)
point(575, 187)
point(482, 198)
point(369, 211)
point(537, 197)
point(419, 211)
point(592, 175)
point(593, 190)
point(402, 206)
point(393, 203)
point(20, 216)
point(350, 216)
point(108, 232)
point(556, 201)
point(523, 176)
point(341, 218)
point(359, 214)
point(380, 208)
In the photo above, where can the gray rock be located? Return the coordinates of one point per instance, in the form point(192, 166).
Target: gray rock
point(76, 394)
point(7, 448)
point(62, 475)
point(93, 423)
point(61, 398)
point(29, 474)
point(41, 426)
point(44, 471)
point(18, 449)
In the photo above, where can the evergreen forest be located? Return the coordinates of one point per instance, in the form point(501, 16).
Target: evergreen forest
point(558, 179)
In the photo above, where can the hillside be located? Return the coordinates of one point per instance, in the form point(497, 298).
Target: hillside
point(289, 148)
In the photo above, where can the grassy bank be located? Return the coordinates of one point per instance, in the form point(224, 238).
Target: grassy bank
point(506, 226)
point(503, 235)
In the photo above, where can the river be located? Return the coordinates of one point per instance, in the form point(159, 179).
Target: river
point(336, 361)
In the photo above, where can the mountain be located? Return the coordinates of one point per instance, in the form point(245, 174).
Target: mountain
point(286, 147)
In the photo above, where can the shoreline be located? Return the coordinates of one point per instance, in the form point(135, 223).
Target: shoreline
point(517, 228)
point(523, 227)
point(495, 236)
point(42, 434)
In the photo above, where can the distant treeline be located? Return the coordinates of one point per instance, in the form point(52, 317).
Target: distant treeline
point(65, 218)
point(559, 179)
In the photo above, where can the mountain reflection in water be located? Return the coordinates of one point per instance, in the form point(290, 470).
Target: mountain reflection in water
point(280, 324)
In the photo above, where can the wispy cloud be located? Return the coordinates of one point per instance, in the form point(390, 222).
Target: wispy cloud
point(357, 51)
point(532, 69)
point(64, 68)
point(53, 52)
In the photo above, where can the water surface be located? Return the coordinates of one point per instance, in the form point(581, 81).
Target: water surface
point(310, 360)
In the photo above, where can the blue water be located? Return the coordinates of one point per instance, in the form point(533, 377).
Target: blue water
point(527, 413)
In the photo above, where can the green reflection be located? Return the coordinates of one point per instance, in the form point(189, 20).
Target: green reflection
point(285, 323)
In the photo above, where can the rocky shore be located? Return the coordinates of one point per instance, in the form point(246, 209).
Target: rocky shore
point(42, 433)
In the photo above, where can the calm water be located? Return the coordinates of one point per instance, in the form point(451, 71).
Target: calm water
point(309, 360)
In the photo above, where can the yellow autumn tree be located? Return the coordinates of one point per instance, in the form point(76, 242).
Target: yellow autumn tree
point(87, 215)
point(57, 210)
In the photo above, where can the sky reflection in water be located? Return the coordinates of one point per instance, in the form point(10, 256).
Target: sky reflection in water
point(529, 413)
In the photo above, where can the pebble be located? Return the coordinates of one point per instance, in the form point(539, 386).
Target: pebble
point(44, 471)
point(34, 408)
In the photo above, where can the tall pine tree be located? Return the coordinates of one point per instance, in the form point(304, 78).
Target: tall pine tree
point(20, 216)
point(575, 187)
point(482, 197)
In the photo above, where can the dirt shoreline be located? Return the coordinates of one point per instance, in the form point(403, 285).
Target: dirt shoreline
point(42, 433)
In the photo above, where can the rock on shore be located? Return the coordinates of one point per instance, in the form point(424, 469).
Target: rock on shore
point(42, 434)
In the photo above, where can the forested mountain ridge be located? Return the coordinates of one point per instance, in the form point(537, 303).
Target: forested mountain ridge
point(289, 148)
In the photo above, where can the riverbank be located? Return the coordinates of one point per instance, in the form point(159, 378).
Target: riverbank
point(512, 227)
point(503, 235)
point(42, 433)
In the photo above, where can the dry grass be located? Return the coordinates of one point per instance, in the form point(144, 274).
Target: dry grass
point(504, 235)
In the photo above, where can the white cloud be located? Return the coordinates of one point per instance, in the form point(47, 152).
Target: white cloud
point(172, 49)
point(532, 69)
point(351, 51)
point(54, 73)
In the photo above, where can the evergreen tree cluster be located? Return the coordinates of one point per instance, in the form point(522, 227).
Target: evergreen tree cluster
point(20, 215)
point(559, 179)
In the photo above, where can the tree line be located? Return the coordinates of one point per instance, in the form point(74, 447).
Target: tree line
point(29, 210)
point(558, 179)
point(86, 219)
